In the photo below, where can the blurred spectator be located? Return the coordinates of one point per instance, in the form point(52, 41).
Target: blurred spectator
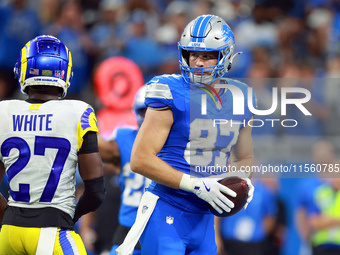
point(233, 11)
point(202, 7)
point(261, 83)
point(276, 238)
point(332, 91)
point(324, 218)
point(247, 230)
point(150, 16)
point(318, 22)
point(292, 35)
point(176, 17)
point(322, 153)
point(141, 48)
point(18, 24)
point(49, 11)
point(8, 84)
point(107, 33)
point(302, 75)
point(257, 30)
point(71, 30)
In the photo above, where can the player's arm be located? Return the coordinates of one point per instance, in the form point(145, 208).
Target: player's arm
point(242, 153)
point(91, 171)
point(242, 156)
point(109, 151)
point(149, 141)
point(3, 201)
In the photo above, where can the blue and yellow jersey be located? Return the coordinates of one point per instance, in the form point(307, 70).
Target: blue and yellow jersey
point(38, 146)
point(205, 129)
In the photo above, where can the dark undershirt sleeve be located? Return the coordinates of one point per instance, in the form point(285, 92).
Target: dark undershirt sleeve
point(90, 143)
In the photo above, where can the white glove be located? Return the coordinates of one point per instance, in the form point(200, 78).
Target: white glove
point(210, 190)
point(250, 192)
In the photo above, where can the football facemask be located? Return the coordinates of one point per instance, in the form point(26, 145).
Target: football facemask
point(206, 33)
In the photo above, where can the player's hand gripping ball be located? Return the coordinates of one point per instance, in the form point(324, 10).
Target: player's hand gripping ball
point(3, 204)
point(241, 188)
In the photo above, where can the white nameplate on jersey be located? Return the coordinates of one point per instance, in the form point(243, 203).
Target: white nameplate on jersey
point(34, 122)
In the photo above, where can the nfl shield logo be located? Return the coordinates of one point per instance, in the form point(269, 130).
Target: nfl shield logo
point(169, 220)
point(144, 209)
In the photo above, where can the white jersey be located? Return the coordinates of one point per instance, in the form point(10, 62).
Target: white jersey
point(38, 146)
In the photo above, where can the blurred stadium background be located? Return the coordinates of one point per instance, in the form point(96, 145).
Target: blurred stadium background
point(284, 43)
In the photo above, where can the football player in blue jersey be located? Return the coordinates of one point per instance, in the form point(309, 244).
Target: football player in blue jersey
point(183, 142)
point(42, 140)
point(117, 150)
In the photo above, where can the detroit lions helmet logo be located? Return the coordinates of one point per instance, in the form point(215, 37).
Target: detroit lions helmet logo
point(226, 32)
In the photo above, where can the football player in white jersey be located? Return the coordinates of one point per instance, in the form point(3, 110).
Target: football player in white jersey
point(42, 139)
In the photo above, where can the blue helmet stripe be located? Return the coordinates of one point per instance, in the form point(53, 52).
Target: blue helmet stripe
point(206, 25)
point(200, 27)
point(196, 29)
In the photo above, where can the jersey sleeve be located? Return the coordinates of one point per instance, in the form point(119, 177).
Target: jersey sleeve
point(158, 94)
point(86, 123)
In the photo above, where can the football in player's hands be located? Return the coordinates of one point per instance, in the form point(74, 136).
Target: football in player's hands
point(3, 204)
point(241, 188)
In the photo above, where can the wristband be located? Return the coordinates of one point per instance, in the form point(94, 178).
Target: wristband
point(187, 182)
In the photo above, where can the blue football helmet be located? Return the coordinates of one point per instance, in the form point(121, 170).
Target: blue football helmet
point(139, 106)
point(206, 33)
point(45, 60)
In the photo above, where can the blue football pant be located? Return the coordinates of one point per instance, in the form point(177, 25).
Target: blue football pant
point(171, 231)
